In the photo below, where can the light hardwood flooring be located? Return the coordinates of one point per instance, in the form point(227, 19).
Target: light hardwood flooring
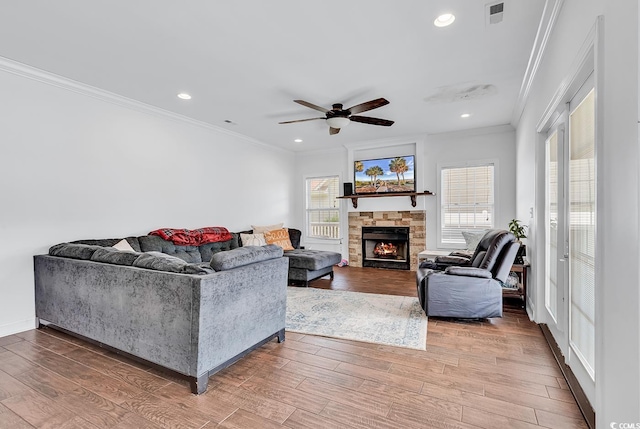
point(496, 373)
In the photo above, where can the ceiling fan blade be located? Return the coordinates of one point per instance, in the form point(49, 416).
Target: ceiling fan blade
point(369, 105)
point(372, 121)
point(300, 120)
point(333, 131)
point(311, 106)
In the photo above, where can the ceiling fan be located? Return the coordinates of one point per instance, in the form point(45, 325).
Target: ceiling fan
point(338, 117)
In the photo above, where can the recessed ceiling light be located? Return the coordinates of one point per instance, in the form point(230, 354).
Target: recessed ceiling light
point(298, 140)
point(465, 115)
point(184, 96)
point(444, 20)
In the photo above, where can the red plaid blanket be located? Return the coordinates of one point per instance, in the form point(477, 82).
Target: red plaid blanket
point(196, 237)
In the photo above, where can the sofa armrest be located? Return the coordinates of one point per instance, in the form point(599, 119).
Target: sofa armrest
point(246, 255)
point(452, 260)
point(469, 272)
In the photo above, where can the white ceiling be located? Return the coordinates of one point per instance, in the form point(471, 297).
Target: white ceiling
point(246, 61)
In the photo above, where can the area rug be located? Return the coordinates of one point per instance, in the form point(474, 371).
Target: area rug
point(372, 318)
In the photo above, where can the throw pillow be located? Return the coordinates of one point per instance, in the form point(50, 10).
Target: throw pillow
point(123, 245)
point(472, 238)
point(279, 237)
point(253, 239)
point(258, 228)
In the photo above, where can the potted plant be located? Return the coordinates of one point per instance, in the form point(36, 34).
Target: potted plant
point(520, 231)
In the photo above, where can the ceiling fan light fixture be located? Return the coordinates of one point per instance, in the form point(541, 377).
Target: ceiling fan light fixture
point(444, 20)
point(338, 122)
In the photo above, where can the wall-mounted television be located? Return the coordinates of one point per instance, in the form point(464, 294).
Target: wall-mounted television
point(395, 174)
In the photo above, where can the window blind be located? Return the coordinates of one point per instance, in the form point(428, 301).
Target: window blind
point(582, 223)
point(466, 201)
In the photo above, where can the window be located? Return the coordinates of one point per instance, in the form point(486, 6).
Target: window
point(466, 201)
point(323, 210)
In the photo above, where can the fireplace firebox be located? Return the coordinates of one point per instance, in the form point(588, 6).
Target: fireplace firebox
point(385, 247)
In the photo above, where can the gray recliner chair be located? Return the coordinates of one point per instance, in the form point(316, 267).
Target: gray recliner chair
point(472, 290)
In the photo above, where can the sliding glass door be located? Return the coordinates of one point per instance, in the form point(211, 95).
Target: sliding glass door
point(570, 219)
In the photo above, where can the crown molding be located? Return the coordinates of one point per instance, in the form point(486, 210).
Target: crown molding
point(52, 79)
point(550, 15)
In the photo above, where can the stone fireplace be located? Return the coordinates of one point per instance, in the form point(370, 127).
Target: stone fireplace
point(367, 247)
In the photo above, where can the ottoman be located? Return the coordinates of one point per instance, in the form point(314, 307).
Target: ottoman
point(306, 264)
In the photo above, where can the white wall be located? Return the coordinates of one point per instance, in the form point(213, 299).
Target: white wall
point(495, 143)
point(316, 164)
point(617, 388)
point(75, 166)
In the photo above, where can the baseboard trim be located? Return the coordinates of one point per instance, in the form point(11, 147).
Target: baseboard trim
point(583, 403)
point(17, 327)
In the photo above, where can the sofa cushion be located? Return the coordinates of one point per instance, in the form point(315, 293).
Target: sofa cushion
point(312, 259)
point(152, 243)
point(209, 249)
point(199, 268)
point(478, 259)
point(73, 250)
point(162, 262)
point(244, 256)
point(110, 255)
point(279, 237)
point(294, 236)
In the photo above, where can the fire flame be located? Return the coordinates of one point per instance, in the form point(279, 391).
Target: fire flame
point(385, 249)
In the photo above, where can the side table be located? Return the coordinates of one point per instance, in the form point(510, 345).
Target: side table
point(521, 292)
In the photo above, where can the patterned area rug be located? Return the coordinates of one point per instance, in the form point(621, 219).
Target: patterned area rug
point(372, 318)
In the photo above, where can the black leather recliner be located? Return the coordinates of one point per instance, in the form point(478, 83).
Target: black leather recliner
point(472, 289)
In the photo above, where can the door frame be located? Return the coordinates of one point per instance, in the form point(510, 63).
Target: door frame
point(590, 60)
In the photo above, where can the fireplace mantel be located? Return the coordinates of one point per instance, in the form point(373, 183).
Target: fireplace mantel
point(411, 195)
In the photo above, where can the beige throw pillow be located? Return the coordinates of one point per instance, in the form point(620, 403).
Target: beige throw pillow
point(258, 228)
point(472, 238)
point(123, 245)
point(253, 240)
point(279, 237)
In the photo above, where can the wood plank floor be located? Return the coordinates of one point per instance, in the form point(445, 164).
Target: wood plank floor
point(495, 373)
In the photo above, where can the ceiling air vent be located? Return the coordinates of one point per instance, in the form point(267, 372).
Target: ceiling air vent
point(495, 13)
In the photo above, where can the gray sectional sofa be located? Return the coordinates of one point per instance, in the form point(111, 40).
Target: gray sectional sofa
point(190, 309)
